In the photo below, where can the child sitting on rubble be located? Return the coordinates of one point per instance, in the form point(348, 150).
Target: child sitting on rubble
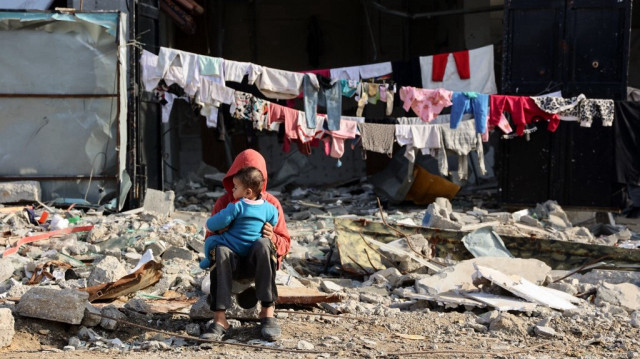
point(240, 224)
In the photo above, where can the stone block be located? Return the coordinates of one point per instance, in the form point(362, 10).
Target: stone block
point(6, 269)
point(27, 191)
point(159, 202)
point(66, 306)
point(179, 252)
point(91, 316)
point(108, 269)
point(625, 295)
point(6, 327)
point(112, 312)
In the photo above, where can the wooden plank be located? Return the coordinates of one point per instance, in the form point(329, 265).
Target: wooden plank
point(303, 295)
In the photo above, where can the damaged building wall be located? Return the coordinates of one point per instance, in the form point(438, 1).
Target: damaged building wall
point(64, 105)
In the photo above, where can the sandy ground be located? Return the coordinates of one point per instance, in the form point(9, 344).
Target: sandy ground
point(449, 334)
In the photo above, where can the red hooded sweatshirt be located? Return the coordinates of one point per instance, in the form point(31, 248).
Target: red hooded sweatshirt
point(251, 158)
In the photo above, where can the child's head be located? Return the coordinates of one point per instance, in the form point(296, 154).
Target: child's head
point(248, 183)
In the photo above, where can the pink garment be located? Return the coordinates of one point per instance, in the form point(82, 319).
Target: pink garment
point(348, 129)
point(427, 104)
point(289, 116)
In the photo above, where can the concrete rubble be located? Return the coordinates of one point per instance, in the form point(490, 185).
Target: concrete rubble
point(496, 292)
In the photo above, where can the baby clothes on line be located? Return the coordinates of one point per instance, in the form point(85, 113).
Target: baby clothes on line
point(461, 58)
point(377, 137)
point(578, 108)
point(346, 73)
point(375, 70)
point(558, 105)
point(348, 130)
point(235, 70)
point(523, 111)
point(481, 70)
point(470, 102)
point(259, 113)
point(211, 66)
point(460, 141)
point(279, 84)
point(427, 104)
point(241, 106)
point(210, 95)
point(349, 87)
point(423, 137)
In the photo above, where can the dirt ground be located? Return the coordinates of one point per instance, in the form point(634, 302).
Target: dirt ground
point(430, 333)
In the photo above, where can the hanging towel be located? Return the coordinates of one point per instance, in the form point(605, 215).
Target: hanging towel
point(234, 70)
point(279, 84)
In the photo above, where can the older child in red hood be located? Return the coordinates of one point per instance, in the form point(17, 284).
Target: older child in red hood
point(261, 264)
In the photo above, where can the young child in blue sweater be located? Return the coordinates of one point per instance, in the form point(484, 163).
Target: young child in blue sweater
point(240, 224)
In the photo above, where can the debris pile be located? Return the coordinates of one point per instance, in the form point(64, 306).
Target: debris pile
point(349, 256)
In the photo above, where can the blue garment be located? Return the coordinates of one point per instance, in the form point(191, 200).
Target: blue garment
point(330, 97)
point(470, 102)
point(245, 222)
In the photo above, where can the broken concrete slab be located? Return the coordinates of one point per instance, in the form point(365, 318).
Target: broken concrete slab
point(159, 202)
point(545, 332)
point(20, 191)
point(460, 275)
point(528, 290)
point(108, 269)
point(287, 295)
point(6, 327)
point(66, 305)
point(501, 303)
point(625, 295)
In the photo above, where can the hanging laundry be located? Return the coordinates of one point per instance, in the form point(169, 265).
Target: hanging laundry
point(375, 70)
point(346, 73)
point(563, 107)
point(235, 70)
point(279, 84)
point(241, 105)
point(523, 111)
point(386, 95)
point(627, 148)
point(307, 134)
point(482, 76)
point(591, 109)
point(348, 130)
point(377, 137)
point(409, 120)
point(349, 87)
point(150, 75)
point(186, 72)
point(211, 66)
point(427, 104)
point(461, 59)
point(167, 105)
point(461, 142)
point(211, 93)
point(259, 113)
point(421, 137)
point(325, 94)
point(470, 102)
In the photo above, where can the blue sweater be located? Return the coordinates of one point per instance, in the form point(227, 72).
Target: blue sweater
point(246, 219)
